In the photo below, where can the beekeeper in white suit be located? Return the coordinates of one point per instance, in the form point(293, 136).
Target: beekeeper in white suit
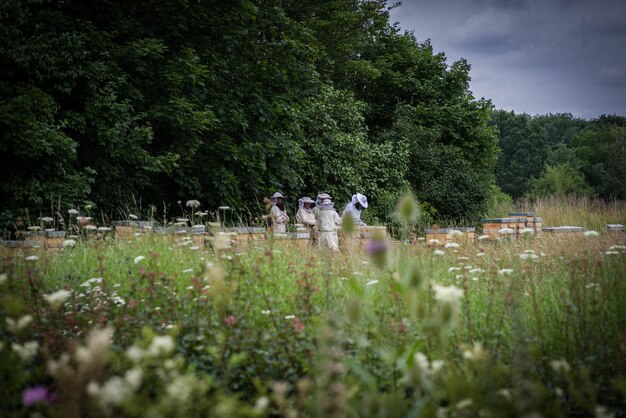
point(278, 214)
point(354, 208)
point(327, 222)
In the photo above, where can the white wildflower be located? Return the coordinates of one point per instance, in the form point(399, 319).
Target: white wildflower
point(96, 348)
point(611, 252)
point(421, 239)
point(113, 392)
point(505, 272)
point(290, 317)
point(3, 278)
point(506, 231)
point(617, 248)
point(91, 228)
point(527, 231)
point(454, 269)
point(27, 351)
point(139, 259)
point(527, 256)
point(475, 353)
point(438, 252)
point(135, 353)
point(16, 325)
point(188, 271)
point(371, 282)
point(34, 228)
point(448, 294)
point(483, 237)
point(72, 211)
point(104, 229)
point(32, 258)
point(560, 366)
point(266, 312)
point(133, 377)
point(591, 233)
point(601, 412)
point(434, 241)
point(192, 203)
point(132, 217)
point(56, 299)
point(455, 233)
point(261, 404)
point(47, 219)
point(480, 254)
point(224, 208)
point(476, 271)
point(181, 388)
point(161, 344)
point(69, 243)
point(465, 403)
point(452, 245)
point(194, 248)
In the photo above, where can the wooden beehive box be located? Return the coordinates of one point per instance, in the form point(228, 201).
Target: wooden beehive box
point(570, 230)
point(492, 227)
point(437, 236)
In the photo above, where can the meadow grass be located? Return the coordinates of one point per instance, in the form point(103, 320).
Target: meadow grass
point(281, 330)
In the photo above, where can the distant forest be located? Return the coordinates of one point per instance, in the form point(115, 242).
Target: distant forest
point(124, 104)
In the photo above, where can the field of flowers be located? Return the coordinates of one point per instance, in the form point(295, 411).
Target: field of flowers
point(529, 327)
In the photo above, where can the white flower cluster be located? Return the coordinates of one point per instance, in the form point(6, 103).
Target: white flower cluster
point(56, 299)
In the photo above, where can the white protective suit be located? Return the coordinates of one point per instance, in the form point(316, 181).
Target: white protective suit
point(305, 216)
point(351, 210)
point(279, 220)
point(327, 221)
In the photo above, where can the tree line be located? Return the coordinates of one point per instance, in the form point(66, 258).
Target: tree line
point(558, 154)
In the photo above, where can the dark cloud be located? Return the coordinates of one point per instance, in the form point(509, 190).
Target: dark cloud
point(533, 56)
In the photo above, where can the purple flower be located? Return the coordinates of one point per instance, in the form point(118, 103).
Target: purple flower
point(37, 394)
point(376, 247)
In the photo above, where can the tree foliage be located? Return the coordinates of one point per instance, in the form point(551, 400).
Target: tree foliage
point(110, 101)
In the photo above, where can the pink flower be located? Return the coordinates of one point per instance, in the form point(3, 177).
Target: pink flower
point(37, 394)
point(230, 320)
point(298, 325)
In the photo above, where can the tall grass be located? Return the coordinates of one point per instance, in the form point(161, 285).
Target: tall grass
point(587, 212)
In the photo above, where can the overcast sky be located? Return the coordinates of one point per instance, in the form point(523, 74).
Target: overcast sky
point(533, 56)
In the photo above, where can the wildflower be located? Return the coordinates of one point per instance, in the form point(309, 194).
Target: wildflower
point(194, 248)
point(188, 271)
point(163, 344)
point(480, 254)
point(181, 388)
point(426, 367)
point(452, 245)
point(290, 317)
point(37, 394)
point(530, 251)
point(261, 404)
point(591, 233)
point(133, 377)
point(34, 228)
point(113, 392)
point(192, 203)
point(464, 403)
point(475, 353)
point(459, 276)
point(56, 299)
point(454, 269)
point(224, 208)
point(201, 214)
point(421, 239)
point(438, 252)
point(72, 211)
point(455, 233)
point(506, 231)
point(506, 393)
point(182, 220)
point(476, 270)
point(104, 229)
point(434, 241)
point(448, 294)
point(3, 278)
point(483, 237)
point(32, 258)
point(88, 283)
point(26, 352)
point(96, 349)
point(16, 326)
point(91, 228)
point(69, 243)
point(611, 252)
point(139, 258)
point(463, 258)
point(617, 247)
point(527, 231)
point(505, 272)
point(528, 256)
point(47, 219)
point(230, 320)
point(560, 366)
point(134, 353)
point(266, 312)
point(601, 412)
